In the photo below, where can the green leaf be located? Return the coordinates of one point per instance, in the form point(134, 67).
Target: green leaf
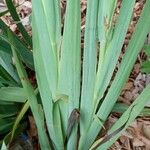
point(7, 63)
point(2, 13)
point(3, 146)
point(26, 54)
point(147, 49)
point(45, 93)
point(6, 78)
point(45, 50)
point(105, 27)
point(105, 16)
point(44, 142)
point(89, 67)
point(5, 47)
point(8, 112)
point(121, 108)
point(134, 47)
point(112, 50)
point(69, 71)
point(145, 67)
point(47, 43)
point(19, 118)
point(128, 117)
point(13, 94)
point(4, 10)
point(6, 125)
point(8, 108)
point(6, 115)
point(16, 18)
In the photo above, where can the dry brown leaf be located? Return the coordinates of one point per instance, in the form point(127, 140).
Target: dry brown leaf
point(32, 130)
point(138, 143)
point(128, 85)
point(146, 130)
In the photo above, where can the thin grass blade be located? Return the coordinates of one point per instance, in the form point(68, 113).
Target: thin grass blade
point(113, 49)
point(69, 71)
point(19, 118)
point(89, 67)
point(45, 52)
point(13, 94)
point(126, 66)
point(128, 117)
point(16, 18)
point(6, 63)
point(39, 119)
point(105, 27)
point(26, 54)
